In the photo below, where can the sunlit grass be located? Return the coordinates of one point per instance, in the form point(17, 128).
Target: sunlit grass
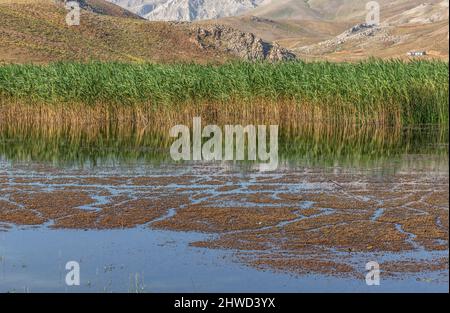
point(386, 92)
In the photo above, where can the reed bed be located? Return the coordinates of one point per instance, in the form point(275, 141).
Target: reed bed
point(371, 92)
point(308, 144)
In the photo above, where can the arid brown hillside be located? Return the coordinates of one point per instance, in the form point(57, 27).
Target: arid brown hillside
point(318, 29)
point(36, 31)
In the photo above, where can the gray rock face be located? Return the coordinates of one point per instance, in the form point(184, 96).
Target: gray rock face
point(100, 8)
point(187, 10)
point(360, 34)
point(243, 45)
point(363, 29)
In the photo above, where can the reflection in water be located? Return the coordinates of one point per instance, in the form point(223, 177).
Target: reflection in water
point(312, 144)
point(151, 216)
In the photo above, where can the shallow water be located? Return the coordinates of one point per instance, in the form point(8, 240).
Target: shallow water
point(145, 259)
point(140, 260)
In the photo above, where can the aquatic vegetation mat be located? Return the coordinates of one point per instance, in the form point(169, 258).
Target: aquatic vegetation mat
point(297, 221)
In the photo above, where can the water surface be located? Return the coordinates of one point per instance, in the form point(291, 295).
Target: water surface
point(147, 259)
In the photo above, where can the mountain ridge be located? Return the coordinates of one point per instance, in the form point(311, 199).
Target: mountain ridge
point(187, 10)
point(35, 31)
point(315, 29)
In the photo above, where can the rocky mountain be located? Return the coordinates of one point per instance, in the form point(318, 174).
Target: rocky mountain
point(335, 29)
point(187, 10)
point(243, 45)
point(104, 8)
point(36, 31)
point(422, 27)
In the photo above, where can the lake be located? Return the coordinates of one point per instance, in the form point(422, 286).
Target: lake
point(112, 200)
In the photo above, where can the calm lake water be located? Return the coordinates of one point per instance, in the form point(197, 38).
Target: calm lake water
point(142, 259)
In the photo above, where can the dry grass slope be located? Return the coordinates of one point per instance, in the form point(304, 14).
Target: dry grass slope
point(408, 25)
point(106, 8)
point(35, 31)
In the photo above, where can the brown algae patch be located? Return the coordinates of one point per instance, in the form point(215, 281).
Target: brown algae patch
point(301, 265)
point(394, 268)
point(279, 222)
point(213, 220)
point(351, 218)
point(11, 213)
point(52, 205)
point(161, 180)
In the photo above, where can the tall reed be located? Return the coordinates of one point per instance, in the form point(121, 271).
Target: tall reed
point(375, 91)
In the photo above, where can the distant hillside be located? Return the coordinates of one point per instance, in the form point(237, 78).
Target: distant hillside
point(106, 8)
point(422, 27)
point(36, 31)
point(321, 29)
point(331, 9)
point(187, 10)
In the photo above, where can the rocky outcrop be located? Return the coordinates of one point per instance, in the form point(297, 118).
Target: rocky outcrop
point(359, 31)
point(241, 44)
point(359, 35)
